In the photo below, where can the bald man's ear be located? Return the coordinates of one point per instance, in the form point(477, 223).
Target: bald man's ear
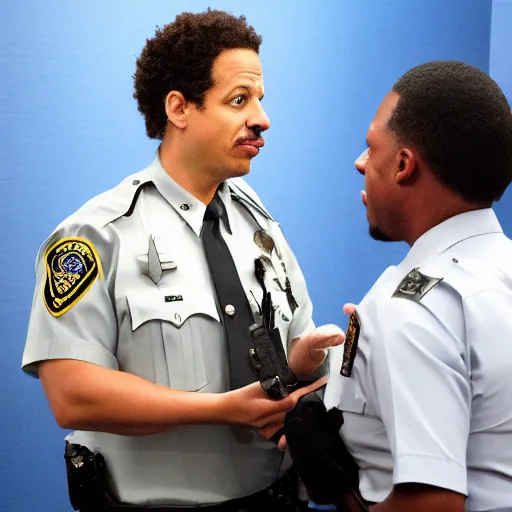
point(177, 109)
point(406, 165)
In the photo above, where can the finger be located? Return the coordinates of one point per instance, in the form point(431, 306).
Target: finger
point(326, 336)
point(349, 308)
point(322, 343)
point(307, 389)
point(270, 430)
point(277, 409)
point(272, 419)
point(327, 330)
point(282, 444)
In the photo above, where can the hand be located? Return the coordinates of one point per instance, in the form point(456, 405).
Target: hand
point(271, 428)
point(323, 337)
point(250, 406)
point(326, 335)
point(307, 353)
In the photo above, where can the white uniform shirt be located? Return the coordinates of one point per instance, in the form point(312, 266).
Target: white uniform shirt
point(430, 396)
point(127, 322)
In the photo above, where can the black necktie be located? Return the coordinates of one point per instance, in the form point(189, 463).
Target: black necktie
point(232, 299)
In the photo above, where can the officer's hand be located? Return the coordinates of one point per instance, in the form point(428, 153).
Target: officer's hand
point(250, 406)
point(308, 352)
point(271, 428)
point(323, 337)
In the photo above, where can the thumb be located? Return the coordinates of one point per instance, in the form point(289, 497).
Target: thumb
point(308, 389)
point(349, 308)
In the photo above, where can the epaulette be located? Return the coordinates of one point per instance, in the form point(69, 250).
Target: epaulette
point(112, 204)
point(415, 285)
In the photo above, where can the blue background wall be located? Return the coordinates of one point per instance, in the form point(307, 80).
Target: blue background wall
point(500, 68)
point(70, 129)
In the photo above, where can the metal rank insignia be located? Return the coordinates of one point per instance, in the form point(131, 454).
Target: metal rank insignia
point(72, 266)
point(415, 285)
point(350, 345)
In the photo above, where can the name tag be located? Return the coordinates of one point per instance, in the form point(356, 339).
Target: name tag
point(173, 298)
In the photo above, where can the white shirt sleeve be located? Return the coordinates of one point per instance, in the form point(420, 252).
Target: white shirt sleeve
point(88, 330)
point(420, 378)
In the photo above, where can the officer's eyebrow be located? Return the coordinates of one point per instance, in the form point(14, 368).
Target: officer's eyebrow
point(246, 88)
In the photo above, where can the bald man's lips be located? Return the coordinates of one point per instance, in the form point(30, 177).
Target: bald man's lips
point(364, 198)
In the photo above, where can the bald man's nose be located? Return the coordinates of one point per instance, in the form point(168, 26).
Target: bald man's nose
point(361, 161)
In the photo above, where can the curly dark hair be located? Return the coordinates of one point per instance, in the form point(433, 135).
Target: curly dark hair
point(180, 57)
point(459, 120)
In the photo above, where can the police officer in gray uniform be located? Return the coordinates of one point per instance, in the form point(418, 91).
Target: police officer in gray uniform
point(127, 331)
point(424, 378)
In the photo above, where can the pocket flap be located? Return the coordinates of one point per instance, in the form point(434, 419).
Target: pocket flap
point(170, 305)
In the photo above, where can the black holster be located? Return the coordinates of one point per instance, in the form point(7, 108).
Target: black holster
point(329, 472)
point(87, 478)
point(268, 358)
point(269, 361)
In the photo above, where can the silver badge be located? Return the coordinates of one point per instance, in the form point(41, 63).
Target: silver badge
point(415, 285)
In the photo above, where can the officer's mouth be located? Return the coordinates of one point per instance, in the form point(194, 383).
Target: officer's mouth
point(250, 146)
point(364, 197)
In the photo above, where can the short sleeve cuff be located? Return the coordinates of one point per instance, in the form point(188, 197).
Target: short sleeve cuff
point(430, 470)
point(71, 349)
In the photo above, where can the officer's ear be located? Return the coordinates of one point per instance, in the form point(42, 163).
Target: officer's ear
point(176, 109)
point(406, 166)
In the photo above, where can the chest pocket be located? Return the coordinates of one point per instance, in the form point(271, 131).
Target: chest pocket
point(177, 337)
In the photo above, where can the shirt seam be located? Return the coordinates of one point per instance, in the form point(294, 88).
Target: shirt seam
point(431, 456)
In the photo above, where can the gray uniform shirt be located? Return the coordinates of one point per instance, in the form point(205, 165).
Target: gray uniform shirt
point(430, 396)
point(167, 329)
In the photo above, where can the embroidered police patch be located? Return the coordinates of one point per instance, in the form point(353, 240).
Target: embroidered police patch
point(415, 285)
point(72, 266)
point(350, 345)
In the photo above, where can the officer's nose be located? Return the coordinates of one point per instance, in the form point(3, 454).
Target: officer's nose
point(259, 121)
point(361, 161)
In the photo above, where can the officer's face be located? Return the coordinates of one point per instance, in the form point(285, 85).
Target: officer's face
point(224, 135)
point(378, 164)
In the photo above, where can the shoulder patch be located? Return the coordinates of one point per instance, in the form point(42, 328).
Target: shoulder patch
point(72, 266)
point(415, 285)
point(350, 345)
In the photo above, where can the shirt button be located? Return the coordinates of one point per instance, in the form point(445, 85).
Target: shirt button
point(229, 310)
point(185, 207)
point(135, 182)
